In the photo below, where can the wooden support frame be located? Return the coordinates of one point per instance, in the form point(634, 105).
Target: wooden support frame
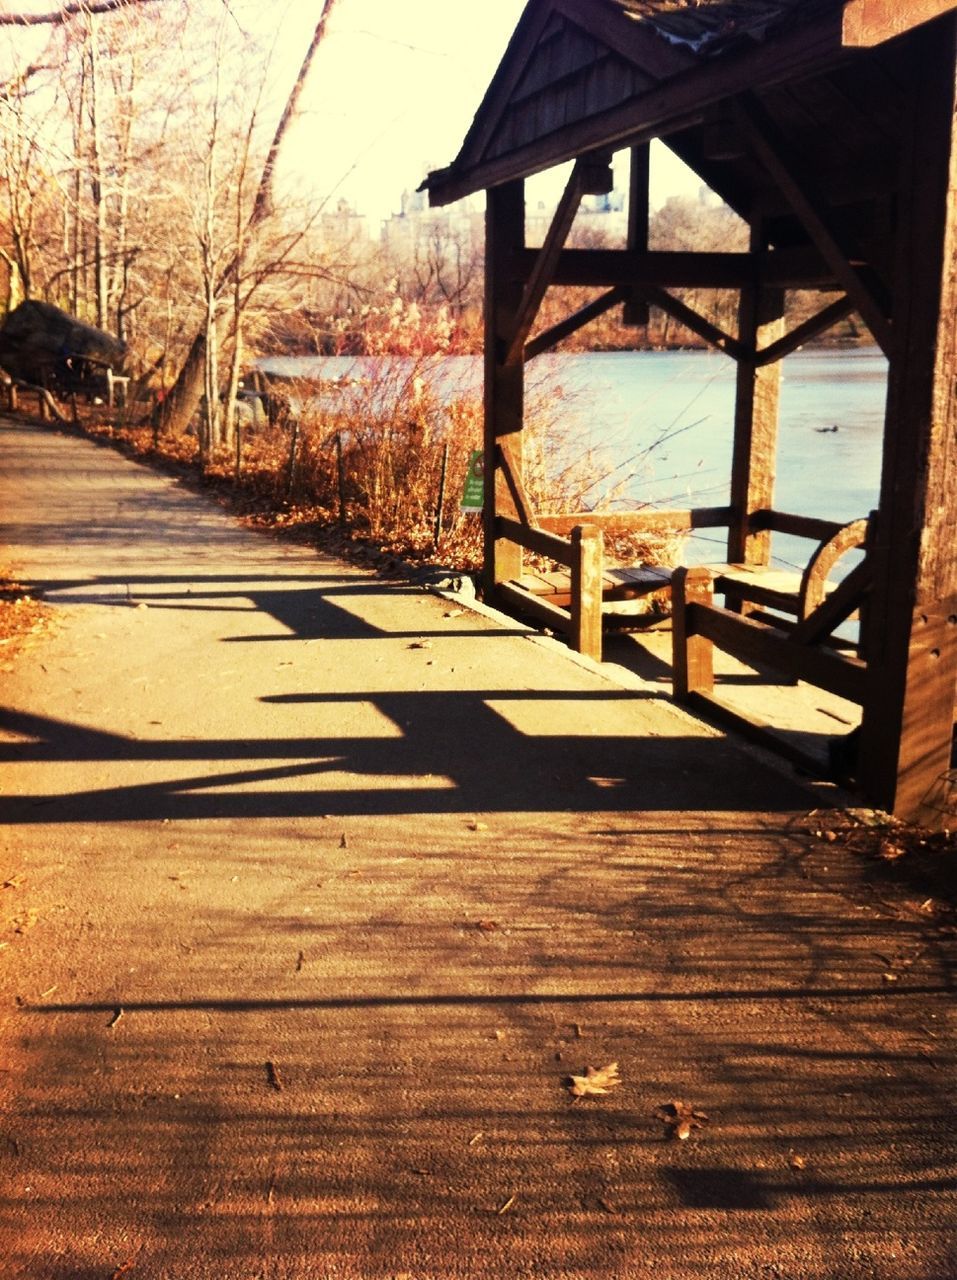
point(862, 287)
point(692, 320)
point(815, 325)
point(912, 625)
point(577, 320)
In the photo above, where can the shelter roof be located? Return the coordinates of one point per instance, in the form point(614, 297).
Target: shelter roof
point(591, 76)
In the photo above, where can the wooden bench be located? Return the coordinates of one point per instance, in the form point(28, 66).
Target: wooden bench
point(801, 645)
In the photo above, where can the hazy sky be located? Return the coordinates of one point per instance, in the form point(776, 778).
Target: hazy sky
point(394, 90)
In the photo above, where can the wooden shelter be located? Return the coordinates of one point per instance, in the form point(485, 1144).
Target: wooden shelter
point(828, 125)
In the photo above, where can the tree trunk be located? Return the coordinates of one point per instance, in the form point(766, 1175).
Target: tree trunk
point(185, 394)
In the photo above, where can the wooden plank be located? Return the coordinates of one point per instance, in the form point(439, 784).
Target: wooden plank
point(692, 654)
point(861, 286)
point(810, 328)
point(754, 642)
point(871, 22)
point(545, 261)
point(800, 526)
point(647, 521)
point(504, 384)
point(603, 268)
point(911, 639)
point(591, 311)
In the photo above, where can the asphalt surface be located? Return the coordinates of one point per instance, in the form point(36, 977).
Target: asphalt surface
point(317, 887)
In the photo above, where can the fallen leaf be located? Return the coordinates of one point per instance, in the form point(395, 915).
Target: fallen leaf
point(680, 1118)
point(797, 1162)
point(595, 1081)
point(487, 926)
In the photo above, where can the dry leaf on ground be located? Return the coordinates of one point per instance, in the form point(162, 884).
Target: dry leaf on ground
point(680, 1118)
point(595, 1081)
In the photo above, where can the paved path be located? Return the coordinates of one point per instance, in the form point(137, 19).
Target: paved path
point(316, 889)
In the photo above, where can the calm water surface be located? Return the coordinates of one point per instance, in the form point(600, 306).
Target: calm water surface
point(658, 426)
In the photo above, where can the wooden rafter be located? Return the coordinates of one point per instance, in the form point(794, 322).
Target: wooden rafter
point(571, 324)
point(804, 332)
point(865, 293)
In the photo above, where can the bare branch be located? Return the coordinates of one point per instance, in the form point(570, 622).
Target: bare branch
point(68, 11)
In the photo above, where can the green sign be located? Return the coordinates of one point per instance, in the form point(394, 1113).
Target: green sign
point(473, 499)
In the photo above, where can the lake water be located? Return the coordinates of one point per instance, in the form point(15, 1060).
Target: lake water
point(659, 426)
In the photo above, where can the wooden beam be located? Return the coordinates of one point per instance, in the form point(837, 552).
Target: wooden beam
point(605, 268)
point(862, 287)
point(810, 328)
point(648, 521)
point(545, 262)
point(591, 311)
point(911, 640)
point(871, 22)
point(693, 320)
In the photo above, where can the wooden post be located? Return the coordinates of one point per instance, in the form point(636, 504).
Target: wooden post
point(636, 311)
point(586, 570)
point(757, 392)
point(504, 383)
point(692, 660)
point(911, 643)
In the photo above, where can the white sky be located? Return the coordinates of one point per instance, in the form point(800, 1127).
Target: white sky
point(393, 92)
